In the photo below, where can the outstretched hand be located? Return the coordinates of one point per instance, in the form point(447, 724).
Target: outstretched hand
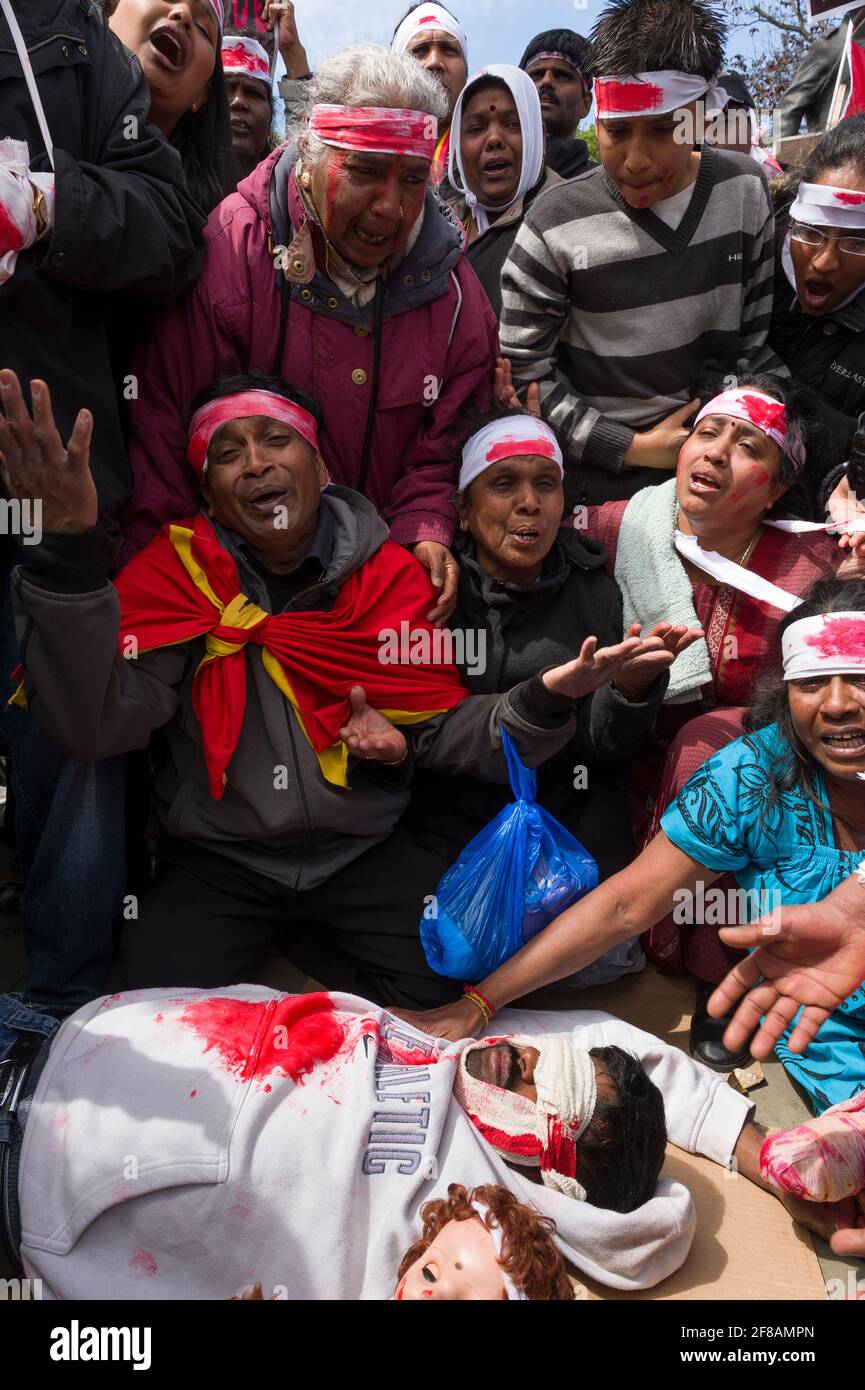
point(810, 957)
point(34, 463)
point(369, 736)
point(595, 667)
point(639, 674)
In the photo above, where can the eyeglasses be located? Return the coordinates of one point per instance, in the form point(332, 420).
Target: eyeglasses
point(812, 236)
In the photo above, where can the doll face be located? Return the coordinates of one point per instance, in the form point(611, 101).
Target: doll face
point(176, 47)
point(727, 475)
point(460, 1264)
point(644, 159)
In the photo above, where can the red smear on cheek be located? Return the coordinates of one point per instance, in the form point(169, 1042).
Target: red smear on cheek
point(335, 178)
point(299, 1033)
point(841, 637)
point(400, 1287)
point(143, 1262)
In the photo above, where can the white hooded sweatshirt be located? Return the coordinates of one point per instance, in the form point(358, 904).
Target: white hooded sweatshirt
point(185, 1143)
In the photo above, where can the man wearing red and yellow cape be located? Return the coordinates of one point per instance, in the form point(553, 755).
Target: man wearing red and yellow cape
point(256, 635)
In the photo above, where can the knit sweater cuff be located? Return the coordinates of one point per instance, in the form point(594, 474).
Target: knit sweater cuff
point(607, 445)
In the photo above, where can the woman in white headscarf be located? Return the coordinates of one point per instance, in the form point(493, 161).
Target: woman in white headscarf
point(497, 166)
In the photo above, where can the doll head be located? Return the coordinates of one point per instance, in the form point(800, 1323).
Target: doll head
point(483, 1245)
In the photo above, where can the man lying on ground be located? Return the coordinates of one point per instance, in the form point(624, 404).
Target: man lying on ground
point(179, 1144)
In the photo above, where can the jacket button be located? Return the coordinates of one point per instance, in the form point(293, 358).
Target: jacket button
point(297, 267)
point(306, 295)
point(408, 281)
point(358, 376)
point(830, 329)
point(65, 50)
point(333, 302)
point(426, 276)
point(361, 332)
point(82, 50)
point(58, 258)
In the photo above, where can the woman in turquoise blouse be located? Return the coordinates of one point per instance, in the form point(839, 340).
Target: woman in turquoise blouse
point(782, 808)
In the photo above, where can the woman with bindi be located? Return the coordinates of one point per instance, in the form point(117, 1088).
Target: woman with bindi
point(497, 166)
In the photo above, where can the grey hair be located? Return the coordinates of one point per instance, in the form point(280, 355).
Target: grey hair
point(366, 75)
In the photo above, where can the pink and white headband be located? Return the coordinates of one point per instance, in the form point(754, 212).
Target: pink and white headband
point(515, 436)
point(552, 58)
point(821, 205)
point(375, 129)
point(656, 94)
point(515, 1295)
point(766, 414)
point(246, 404)
point(246, 56)
point(827, 645)
point(429, 18)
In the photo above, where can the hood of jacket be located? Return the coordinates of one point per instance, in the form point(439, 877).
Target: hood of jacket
point(423, 275)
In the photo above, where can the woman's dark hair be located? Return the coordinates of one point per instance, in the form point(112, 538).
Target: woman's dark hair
point(203, 138)
point(634, 36)
point(565, 41)
point(844, 144)
point(802, 428)
point(485, 80)
point(621, 1153)
point(795, 769)
point(232, 385)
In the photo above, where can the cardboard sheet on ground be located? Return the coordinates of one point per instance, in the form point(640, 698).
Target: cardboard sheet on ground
point(746, 1246)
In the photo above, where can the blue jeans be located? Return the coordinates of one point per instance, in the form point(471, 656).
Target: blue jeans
point(69, 822)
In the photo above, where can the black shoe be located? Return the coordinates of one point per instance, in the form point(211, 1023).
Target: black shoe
point(707, 1036)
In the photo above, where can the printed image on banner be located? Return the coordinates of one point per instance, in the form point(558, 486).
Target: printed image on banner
point(818, 10)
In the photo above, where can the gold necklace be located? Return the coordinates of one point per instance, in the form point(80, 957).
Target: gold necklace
point(750, 547)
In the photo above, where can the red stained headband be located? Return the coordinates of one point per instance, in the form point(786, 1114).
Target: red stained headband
point(376, 129)
point(246, 404)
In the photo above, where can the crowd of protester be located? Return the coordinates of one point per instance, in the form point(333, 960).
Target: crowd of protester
point(293, 359)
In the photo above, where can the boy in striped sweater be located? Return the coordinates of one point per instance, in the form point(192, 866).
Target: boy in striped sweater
point(629, 283)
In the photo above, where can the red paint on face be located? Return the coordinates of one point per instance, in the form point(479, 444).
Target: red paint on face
point(290, 1036)
point(143, 1263)
point(841, 637)
point(847, 199)
point(766, 415)
point(335, 176)
point(630, 97)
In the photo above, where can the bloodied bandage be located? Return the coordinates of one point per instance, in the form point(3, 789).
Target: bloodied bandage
point(375, 129)
point(542, 1134)
point(755, 408)
point(656, 94)
point(831, 644)
point(820, 205)
point(514, 436)
point(247, 56)
point(244, 406)
point(429, 19)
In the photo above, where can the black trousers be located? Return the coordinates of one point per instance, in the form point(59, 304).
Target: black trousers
point(207, 922)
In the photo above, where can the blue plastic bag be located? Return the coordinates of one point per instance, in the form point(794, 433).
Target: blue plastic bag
point(519, 873)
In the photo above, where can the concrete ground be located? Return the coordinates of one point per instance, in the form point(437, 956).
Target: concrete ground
point(778, 1104)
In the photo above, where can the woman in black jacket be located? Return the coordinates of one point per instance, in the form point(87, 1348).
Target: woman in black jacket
point(818, 326)
point(530, 596)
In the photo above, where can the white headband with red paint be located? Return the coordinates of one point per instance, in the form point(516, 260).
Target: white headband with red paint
point(514, 436)
point(656, 94)
point(766, 414)
point(429, 18)
point(375, 129)
point(243, 406)
point(822, 205)
point(828, 645)
point(246, 56)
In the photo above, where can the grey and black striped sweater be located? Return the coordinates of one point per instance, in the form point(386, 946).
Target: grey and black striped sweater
point(619, 316)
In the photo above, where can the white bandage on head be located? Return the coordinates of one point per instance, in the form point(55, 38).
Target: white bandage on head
point(429, 19)
point(754, 407)
point(821, 205)
point(514, 436)
point(528, 104)
point(514, 1294)
point(656, 94)
point(831, 644)
point(247, 56)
